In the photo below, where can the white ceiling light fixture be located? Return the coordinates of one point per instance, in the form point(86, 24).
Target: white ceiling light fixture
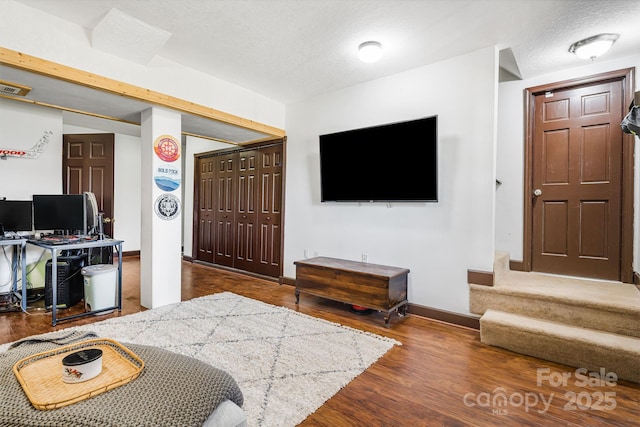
point(592, 47)
point(370, 51)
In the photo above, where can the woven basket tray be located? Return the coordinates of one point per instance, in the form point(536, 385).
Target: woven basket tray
point(40, 375)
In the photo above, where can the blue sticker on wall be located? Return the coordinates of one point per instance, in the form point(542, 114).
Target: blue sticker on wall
point(167, 177)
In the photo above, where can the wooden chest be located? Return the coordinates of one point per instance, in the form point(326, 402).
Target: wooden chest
point(378, 287)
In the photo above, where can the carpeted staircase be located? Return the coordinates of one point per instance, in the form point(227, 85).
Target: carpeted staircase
point(580, 323)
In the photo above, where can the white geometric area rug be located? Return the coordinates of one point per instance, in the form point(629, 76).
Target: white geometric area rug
point(287, 364)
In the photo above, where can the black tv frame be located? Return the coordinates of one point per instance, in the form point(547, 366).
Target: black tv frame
point(394, 162)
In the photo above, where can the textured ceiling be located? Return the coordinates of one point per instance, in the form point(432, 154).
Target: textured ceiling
point(289, 50)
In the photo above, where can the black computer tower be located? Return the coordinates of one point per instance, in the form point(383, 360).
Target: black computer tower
point(70, 283)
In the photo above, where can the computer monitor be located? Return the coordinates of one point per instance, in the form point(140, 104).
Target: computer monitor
point(16, 215)
point(59, 212)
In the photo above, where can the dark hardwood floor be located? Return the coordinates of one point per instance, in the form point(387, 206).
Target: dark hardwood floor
point(442, 375)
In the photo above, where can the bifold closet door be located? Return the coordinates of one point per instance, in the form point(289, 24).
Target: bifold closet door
point(240, 209)
point(270, 211)
point(206, 214)
point(224, 206)
point(246, 202)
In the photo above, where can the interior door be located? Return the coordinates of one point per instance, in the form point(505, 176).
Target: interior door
point(270, 212)
point(246, 210)
point(223, 203)
point(87, 165)
point(206, 215)
point(577, 182)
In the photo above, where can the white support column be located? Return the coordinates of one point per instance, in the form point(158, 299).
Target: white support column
point(161, 208)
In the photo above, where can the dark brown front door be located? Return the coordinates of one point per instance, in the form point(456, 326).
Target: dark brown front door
point(577, 180)
point(87, 165)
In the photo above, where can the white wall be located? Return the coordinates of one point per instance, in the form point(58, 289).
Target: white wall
point(21, 126)
point(510, 154)
point(438, 242)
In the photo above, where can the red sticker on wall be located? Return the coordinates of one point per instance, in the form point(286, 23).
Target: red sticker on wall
point(167, 148)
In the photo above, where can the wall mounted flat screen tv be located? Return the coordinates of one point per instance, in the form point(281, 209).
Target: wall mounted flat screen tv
point(395, 162)
point(16, 215)
point(59, 212)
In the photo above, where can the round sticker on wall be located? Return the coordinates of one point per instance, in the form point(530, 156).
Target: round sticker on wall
point(167, 148)
point(167, 177)
point(167, 206)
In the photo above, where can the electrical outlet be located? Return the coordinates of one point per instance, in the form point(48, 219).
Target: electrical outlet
point(306, 253)
point(365, 257)
point(316, 253)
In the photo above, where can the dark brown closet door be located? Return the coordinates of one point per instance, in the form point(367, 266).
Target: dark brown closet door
point(270, 213)
point(246, 210)
point(245, 194)
point(223, 204)
point(206, 214)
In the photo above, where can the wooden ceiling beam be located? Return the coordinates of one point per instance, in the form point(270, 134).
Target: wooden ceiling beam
point(47, 68)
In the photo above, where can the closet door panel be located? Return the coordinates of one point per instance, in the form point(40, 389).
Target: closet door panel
point(223, 203)
point(270, 214)
point(245, 214)
point(206, 215)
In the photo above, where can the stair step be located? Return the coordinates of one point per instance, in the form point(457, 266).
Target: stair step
point(569, 345)
point(605, 306)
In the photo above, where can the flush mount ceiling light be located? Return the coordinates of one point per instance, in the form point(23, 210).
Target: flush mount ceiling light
point(592, 47)
point(370, 51)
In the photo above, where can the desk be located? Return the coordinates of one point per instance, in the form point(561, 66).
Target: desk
point(19, 257)
point(54, 271)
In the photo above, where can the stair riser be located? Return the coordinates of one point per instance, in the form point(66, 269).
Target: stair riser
point(584, 317)
point(562, 349)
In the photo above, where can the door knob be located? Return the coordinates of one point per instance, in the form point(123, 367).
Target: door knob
point(108, 220)
point(537, 192)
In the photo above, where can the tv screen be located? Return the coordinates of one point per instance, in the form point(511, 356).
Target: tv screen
point(16, 215)
point(59, 212)
point(395, 162)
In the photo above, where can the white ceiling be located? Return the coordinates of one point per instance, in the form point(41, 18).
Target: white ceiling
point(289, 50)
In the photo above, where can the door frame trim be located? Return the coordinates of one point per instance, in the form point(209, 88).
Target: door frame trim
point(627, 77)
